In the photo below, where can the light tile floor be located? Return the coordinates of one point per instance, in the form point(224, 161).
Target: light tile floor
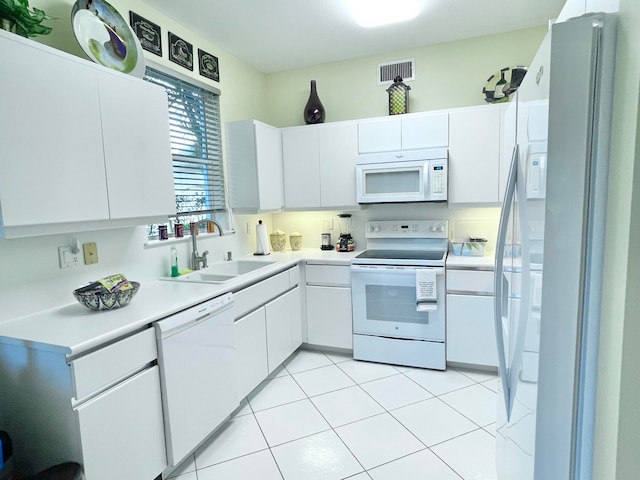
point(325, 416)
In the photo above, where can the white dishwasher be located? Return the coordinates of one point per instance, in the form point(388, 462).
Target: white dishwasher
point(195, 355)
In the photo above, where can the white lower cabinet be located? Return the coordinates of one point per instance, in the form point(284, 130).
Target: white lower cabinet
point(121, 430)
point(471, 335)
point(102, 410)
point(280, 319)
point(251, 351)
point(267, 329)
point(470, 330)
point(329, 316)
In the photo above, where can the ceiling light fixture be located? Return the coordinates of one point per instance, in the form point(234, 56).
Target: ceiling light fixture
point(374, 13)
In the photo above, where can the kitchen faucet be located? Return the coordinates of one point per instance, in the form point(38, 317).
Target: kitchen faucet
point(198, 260)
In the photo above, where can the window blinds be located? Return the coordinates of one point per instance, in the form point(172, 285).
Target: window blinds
point(194, 120)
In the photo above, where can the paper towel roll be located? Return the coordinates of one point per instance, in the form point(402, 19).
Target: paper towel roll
point(262, 239)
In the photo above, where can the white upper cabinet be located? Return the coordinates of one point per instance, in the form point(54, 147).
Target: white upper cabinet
point(474, 154)
point(301, 159)
point(255, 166)
point(380, 135)
point(427, 130)
point(404, 132)
point(137, 146)
point(52, 162)
point(338, 158)
point(319, 165)
point(83, 147)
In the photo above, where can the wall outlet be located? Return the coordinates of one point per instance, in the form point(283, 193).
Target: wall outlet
point(90, 253)
point(67, 257)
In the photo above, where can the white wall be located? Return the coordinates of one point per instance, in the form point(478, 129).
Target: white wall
point(463, 222)
point(448, 75)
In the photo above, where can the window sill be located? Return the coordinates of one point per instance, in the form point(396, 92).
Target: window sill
point(153, 243)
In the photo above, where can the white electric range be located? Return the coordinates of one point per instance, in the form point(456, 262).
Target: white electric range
point(398, 294)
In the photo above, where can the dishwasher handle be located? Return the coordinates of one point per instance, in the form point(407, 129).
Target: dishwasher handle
point(192, 316)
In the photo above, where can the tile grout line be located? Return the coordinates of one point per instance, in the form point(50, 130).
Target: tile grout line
point(331, 426)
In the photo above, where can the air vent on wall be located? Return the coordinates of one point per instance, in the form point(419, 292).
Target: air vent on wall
point(389, 70)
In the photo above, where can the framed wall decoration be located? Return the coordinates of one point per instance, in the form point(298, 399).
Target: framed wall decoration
point(208, 65)
point(147, 32)
point(180, 51)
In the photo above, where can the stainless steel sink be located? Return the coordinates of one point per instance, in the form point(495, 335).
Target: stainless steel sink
point(221, 272)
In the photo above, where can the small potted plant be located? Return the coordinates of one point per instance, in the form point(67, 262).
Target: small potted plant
point(17, 17)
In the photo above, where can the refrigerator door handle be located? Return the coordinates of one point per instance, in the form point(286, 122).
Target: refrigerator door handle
point(501, 294)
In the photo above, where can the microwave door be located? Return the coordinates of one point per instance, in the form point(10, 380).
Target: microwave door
point(383, 183)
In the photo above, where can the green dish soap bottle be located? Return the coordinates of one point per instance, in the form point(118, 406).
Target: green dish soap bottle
point(174, 261)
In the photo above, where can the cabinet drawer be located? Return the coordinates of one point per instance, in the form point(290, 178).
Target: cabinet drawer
point(470, 281)
point(339, 275)
point(109, 364)
point(256, 295)
point(122, 430)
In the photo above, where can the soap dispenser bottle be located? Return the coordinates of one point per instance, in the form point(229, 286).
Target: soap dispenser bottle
point(173, 254)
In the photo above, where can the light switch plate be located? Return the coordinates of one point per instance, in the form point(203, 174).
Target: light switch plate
point(90, 253)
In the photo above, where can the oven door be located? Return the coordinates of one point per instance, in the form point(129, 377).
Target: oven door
point(385, 303)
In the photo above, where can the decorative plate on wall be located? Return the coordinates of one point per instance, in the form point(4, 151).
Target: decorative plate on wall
point(106, 37)
point(501, 85)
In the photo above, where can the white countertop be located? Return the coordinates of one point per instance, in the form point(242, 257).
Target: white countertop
point(486, 262)
point(73, 329)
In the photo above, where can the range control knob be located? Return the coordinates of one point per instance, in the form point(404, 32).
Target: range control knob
point(371, 228)
point(433, 228)
point(441, 228)
point(376, 229)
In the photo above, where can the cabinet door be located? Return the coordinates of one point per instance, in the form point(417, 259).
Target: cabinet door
point(296, 318)
point(279, 338)
point(474, 155)
point(329, 317)
point(301, 159)
point(380, 135)
point(470, 330)
point(137, 147)
point(52, 163)
point(121, 431)
point(254, 154)
point(269, 162)
point(338, 158)
point(251, 352)
point(425, 131)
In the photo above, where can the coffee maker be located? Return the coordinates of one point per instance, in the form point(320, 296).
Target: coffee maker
point(346, 243)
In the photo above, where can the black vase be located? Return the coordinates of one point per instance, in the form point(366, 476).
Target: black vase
point(313, 110)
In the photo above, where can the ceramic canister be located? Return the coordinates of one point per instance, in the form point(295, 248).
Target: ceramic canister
point(278, 240)
point(295, 240)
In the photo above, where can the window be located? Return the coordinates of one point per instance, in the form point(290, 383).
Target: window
point(194, 121)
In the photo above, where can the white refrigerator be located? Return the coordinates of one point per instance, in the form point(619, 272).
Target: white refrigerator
point(550, 252)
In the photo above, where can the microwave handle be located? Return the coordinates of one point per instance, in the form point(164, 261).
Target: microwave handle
point(426, 176)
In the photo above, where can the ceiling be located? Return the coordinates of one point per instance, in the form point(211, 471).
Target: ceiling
point(277, 35)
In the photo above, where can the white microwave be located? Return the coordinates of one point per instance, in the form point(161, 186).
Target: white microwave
point(410, 176)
